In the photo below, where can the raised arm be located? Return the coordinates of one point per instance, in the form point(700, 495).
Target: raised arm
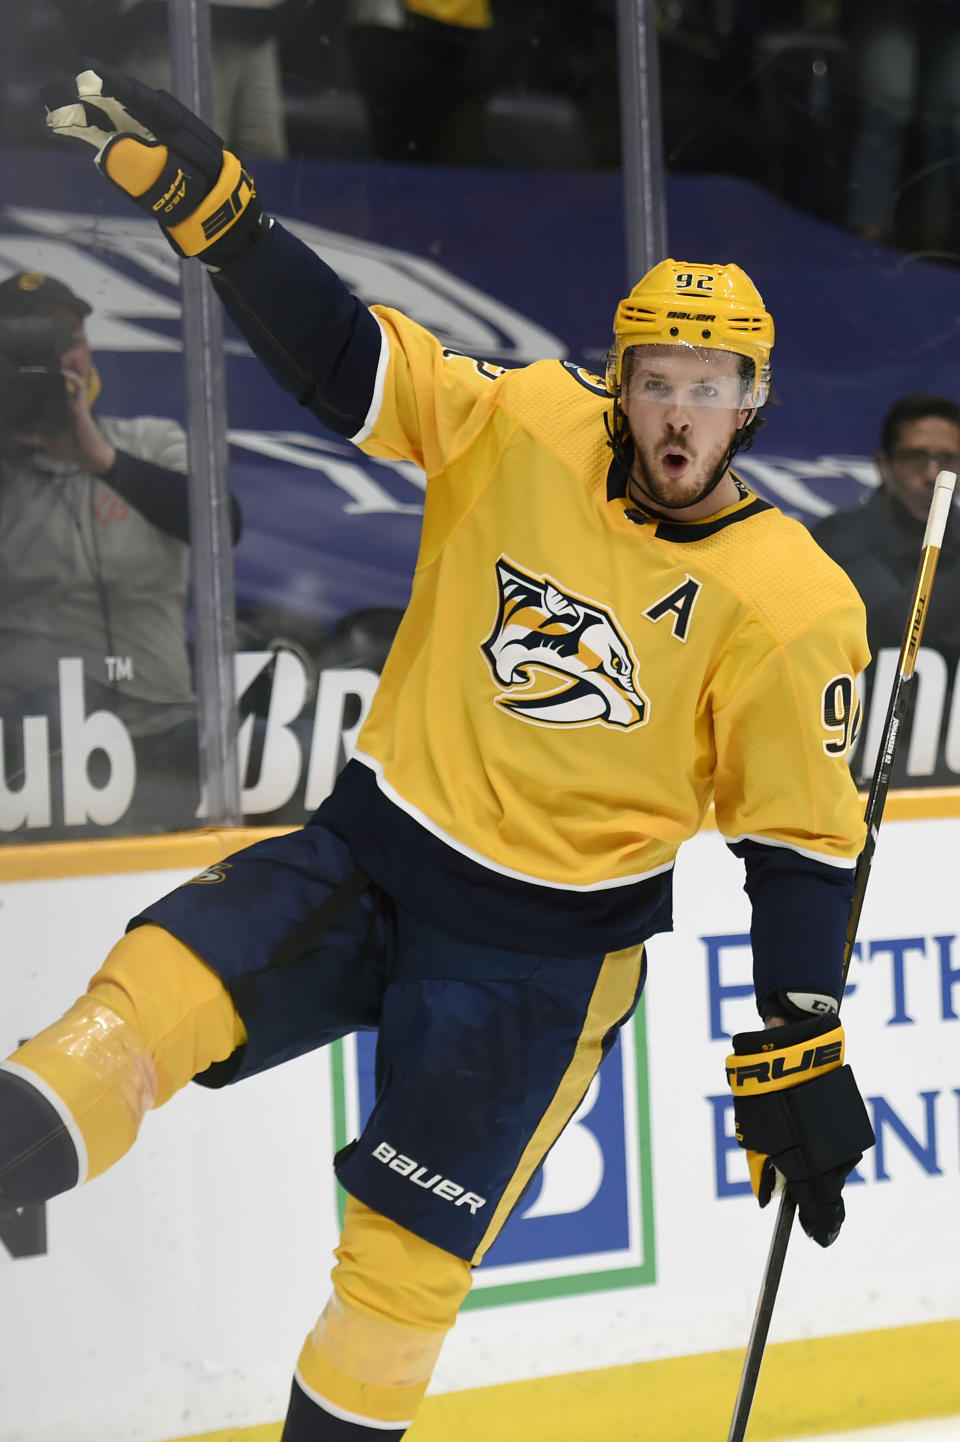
point(353, 367)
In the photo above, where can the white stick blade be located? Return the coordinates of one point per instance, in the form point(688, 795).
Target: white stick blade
point(939, 508)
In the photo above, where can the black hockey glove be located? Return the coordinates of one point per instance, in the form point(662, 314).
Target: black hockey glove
point(800, 1116)
point(163, 157)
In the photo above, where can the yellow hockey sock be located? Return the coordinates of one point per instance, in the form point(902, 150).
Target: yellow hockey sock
point(373, 1351)
point(155, 1014)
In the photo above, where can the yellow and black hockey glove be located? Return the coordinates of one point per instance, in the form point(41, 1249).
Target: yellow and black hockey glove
point(800, 1116)
point(163, 157)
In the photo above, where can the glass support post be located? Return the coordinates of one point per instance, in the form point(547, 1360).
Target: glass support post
point(211, 546)
point(641, 136)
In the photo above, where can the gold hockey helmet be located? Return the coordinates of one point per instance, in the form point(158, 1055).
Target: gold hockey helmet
point(707, 307)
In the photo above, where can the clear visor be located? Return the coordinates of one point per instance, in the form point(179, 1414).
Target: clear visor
point(685, 375)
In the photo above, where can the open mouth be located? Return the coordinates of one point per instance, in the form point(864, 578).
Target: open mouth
point(675, 462)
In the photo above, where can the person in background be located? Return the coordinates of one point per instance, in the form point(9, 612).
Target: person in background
point(419, 65)
point(905, 57)
point(94, 543)
point(878, 543)
point(247, 86)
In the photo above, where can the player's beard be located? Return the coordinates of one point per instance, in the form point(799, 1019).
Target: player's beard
point(702, 476)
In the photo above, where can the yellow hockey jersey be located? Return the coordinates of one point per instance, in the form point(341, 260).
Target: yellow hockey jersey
point(573, 682)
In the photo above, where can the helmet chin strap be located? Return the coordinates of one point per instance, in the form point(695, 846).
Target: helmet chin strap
point(624, 449)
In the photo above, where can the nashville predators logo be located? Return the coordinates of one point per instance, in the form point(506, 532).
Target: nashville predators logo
point(544, 633)
point(212, 875)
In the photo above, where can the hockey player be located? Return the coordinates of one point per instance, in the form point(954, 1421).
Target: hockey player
point(606, 631)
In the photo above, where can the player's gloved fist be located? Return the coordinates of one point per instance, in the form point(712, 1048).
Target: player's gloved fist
point(800, 1116)
point(163, 157)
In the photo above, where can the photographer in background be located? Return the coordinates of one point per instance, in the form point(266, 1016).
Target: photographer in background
point(94, 562)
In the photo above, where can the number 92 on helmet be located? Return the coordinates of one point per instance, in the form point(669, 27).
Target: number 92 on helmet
point(701, 308)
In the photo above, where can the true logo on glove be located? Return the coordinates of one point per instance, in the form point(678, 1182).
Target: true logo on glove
point(753, 1074)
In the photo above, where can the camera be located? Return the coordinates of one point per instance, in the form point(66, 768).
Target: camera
point(33, 390)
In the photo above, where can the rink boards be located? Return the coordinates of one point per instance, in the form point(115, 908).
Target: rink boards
point(169, 1298)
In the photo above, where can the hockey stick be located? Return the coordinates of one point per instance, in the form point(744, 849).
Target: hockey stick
point(897, 711)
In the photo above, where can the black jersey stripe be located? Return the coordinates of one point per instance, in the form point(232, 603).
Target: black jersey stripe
point(697, 530)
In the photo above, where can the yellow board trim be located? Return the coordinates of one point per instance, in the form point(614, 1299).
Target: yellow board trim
point(923, 804)
point(826, 1384)
point(178, 850)
point(43, 860)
